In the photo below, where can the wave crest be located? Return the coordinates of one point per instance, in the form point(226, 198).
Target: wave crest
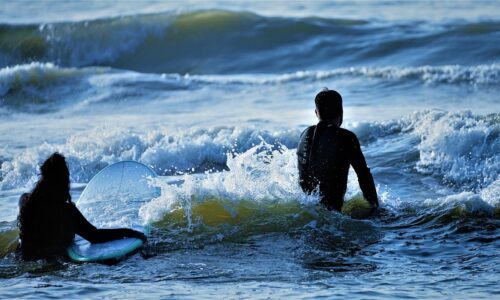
point(40, 87)
point(222, 42)
point(448, 74)
point(168, 152)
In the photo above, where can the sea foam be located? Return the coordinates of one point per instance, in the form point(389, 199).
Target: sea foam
point(460, 147)
point(242, 163)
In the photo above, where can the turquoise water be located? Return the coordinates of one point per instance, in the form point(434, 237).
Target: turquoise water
point(213, 97)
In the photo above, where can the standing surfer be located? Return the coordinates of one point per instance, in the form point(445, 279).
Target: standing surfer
point(325, 153)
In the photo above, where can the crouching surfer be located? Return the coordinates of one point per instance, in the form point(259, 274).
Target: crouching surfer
point(48, 220)
point(325, 153)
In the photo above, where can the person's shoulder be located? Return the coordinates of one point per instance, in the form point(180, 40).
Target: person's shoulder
point(308, 129)
point(24, 199)
point(349, 135)
point(347, 132)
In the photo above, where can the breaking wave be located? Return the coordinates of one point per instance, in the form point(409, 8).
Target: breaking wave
point(242, 42)
point(460, 148)
point(41, 87)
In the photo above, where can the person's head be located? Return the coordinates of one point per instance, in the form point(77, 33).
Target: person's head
point(329, 106)
point(55, 168)
point(55, 178)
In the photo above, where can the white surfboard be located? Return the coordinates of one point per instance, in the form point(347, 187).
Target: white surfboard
point(112, 199)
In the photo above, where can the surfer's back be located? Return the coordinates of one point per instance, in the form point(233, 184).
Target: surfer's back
point(325, 153)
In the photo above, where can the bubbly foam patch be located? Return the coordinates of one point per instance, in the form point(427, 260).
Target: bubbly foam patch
point(263, 175)
point(167, 151)
point(491, 194)
point(461, 147)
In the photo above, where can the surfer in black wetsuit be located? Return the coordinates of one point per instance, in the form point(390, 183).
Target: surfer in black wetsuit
point(326, 151)
point(48, 220)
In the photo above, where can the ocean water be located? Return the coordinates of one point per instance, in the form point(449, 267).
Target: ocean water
point(213, 96)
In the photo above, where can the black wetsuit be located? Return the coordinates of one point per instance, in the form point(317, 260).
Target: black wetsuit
point(325, 153)
point(47, 235)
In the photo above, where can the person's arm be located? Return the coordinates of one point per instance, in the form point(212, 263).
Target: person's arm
point(89, 232)
point(303, 159)
point(365, 177)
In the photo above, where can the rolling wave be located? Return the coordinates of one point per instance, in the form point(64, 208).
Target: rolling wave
point(461, 149)
point(41, 87)
point(222, 42)
point(37, 87)
point(449, 74)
